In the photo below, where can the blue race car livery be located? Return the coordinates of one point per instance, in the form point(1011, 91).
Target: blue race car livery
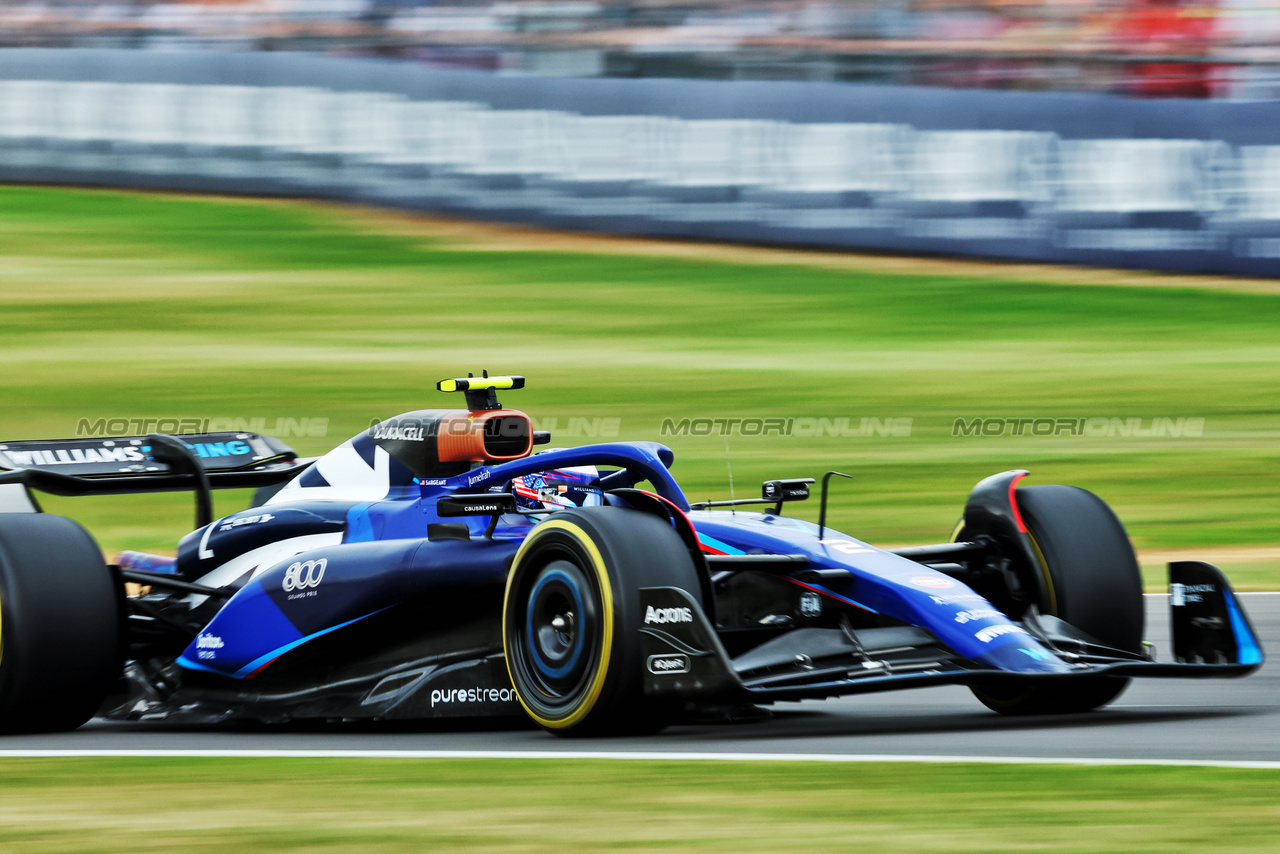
point(437, 566)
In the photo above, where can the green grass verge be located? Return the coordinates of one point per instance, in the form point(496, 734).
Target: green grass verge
point(1250, 575)
point(120, 305)
point(329, 805)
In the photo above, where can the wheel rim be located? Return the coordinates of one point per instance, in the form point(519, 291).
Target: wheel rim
point(558, 637)
point(556, 625)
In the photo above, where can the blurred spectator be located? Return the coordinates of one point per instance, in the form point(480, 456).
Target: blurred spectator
point(1152, 48)
point(1173, 28)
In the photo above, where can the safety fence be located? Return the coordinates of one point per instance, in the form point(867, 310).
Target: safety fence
point(1180, 185)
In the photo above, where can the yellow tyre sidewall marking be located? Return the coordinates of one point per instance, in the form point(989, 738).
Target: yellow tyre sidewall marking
point(1048, 579)
point(606, 635)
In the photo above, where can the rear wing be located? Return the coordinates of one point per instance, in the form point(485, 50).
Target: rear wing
point(156, 462)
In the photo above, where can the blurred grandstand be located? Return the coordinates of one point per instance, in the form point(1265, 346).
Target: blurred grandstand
point(1152, 48)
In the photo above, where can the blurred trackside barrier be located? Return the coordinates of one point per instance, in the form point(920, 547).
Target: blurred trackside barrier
point(1162, 184)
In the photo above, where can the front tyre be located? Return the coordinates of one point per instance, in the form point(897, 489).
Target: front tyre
point(571, 618)
point(1092, 581)
point(59, 624)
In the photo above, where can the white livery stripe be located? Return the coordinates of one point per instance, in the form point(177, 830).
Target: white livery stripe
point(350, 478)
point(265, 557)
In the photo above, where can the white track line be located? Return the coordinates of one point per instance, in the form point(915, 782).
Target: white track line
point(1238, 593)
point(652, 756)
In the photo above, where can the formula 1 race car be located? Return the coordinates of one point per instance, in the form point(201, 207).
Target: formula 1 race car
point(435, 566)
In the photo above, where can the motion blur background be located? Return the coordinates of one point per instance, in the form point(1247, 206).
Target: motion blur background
point(1110, 133)
point(1155, 48)
point(430, 168)
point(1136, 133)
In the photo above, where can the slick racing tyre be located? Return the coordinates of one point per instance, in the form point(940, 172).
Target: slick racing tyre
point(571, 618)
point(1092, 581)
point(59, 624)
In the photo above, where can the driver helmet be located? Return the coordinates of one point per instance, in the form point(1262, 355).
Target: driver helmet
point(559, 489)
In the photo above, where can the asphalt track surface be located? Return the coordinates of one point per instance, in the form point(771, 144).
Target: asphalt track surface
point(1156, 719)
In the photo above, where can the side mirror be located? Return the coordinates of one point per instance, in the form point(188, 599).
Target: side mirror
point(796, 489)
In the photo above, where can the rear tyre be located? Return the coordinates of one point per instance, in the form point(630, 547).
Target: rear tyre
point(571, 618)
point(1093, 583)
point(59, 624)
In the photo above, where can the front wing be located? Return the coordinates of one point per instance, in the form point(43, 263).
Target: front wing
point(685, 660)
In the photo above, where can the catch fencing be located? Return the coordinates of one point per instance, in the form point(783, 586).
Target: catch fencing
point(1094, 179)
